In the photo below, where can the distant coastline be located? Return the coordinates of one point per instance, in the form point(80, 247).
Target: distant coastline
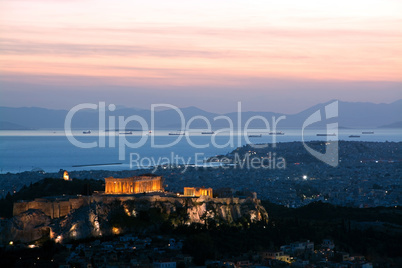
point(4, 125)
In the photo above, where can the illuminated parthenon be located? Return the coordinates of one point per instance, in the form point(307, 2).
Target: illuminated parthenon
point(134, 185)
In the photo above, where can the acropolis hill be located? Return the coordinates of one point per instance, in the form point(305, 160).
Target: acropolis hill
point(76, 217)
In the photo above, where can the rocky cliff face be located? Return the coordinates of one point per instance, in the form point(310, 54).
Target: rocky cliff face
point(27, 226)
point(198, 209)
point(225, 210)
point(96, 219)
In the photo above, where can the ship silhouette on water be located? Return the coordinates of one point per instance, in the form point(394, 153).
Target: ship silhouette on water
point(177, 133)
point(326, 134)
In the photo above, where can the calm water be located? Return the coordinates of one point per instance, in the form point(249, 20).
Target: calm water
point(51, 150)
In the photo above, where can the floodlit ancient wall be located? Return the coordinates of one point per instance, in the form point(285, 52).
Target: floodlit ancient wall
point(54, 208)
point(196, 192)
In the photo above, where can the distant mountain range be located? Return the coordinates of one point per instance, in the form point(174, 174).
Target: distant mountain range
point(351, 115)
point(393, 125)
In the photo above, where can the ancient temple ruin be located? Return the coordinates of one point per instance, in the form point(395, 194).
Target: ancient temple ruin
point(134, 185)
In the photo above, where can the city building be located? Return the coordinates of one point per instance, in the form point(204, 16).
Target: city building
point(275, 255)
point(164, 264)
point(66, 177)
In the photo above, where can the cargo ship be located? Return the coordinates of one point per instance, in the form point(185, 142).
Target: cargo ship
point(354, 136)
point(207, 132)
point(178, 133)
point(277, 133)
point(368, 132)
point(255, 136)
point(126, 133)
point(325, 135)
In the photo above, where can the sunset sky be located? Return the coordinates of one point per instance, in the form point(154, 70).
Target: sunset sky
point(279, 56)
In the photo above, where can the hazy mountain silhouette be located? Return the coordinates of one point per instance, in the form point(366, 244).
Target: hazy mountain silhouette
point(12, 126)
point(393, 125)
point(351, 115)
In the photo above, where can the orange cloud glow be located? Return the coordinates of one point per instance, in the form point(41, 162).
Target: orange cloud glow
point(202, 42)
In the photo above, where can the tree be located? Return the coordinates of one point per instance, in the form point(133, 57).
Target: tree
point(200, 246)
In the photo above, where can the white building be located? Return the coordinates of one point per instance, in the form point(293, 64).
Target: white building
point(162, 264)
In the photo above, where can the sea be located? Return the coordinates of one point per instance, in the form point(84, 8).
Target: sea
point(52, 150)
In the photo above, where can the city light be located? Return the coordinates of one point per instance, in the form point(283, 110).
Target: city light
point(116, 230)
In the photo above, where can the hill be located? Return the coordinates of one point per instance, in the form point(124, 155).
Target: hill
point(392, 125)
point(11, 126)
